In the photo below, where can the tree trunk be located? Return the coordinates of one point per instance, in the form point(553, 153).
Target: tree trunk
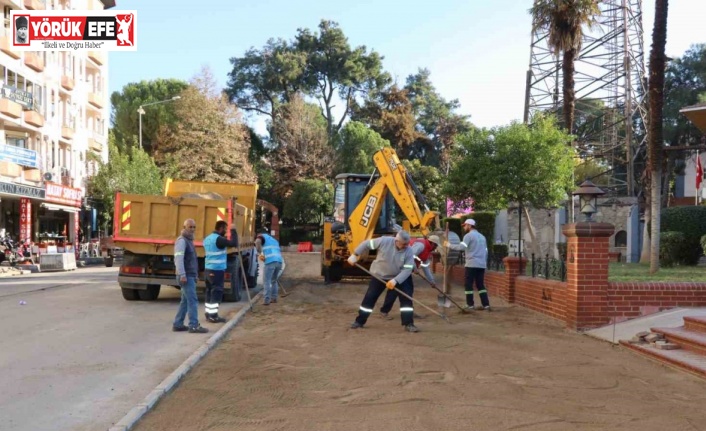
point(646, 244)
point(569, 97)
point(536, 248)
point(656, 90)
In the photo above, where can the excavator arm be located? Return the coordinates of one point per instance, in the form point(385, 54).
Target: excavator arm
point(392, 178)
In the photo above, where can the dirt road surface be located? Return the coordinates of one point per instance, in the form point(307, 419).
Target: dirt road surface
point(296, 365)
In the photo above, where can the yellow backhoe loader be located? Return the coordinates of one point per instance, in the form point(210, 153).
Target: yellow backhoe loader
point(364, 208)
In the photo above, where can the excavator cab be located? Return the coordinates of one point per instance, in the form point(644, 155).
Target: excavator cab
point(349, 190)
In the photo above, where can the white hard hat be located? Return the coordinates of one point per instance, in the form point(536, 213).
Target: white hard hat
point(435, 239)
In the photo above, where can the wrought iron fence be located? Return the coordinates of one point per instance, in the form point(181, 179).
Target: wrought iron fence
point(548, 268)
point(495, 262)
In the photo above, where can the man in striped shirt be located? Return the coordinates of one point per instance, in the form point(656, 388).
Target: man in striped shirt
point(393, 264)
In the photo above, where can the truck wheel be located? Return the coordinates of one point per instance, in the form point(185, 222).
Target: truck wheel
point(108, 261)
point(149, 294)
point(335, 273)
point(236, 290)
point(130, 294)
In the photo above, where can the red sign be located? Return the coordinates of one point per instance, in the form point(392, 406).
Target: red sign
point(63, 195)
point(25, 219)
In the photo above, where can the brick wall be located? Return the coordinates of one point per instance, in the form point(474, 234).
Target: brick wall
point(545, 296)
point(600, 305)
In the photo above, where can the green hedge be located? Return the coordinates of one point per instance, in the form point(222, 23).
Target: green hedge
point(703, 243)
point(691, 221)
point(500, 250)
point(485, 223)
point(289, 236)
point(672, 248)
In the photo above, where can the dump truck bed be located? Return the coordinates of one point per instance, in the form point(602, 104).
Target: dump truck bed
point(149, 224)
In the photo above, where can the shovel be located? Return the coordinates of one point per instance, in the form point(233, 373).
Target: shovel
point(404, 294)
point(245, 282)
point(441, 299)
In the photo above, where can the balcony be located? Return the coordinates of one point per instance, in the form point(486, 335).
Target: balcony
point(95, 145)
point(10, 108)
point(6, 45)
point(67, 83)
point(96, 99)
point(33, 175)
point(67, 132)
point(34, 5)
point(34, 61)
point(34, 118)
point(10, 169)
point(97, 57)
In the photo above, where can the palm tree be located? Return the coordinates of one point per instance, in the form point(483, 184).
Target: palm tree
point(655, 135)
point(564, 21)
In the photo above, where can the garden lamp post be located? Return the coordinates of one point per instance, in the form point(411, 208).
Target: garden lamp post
point(588, 195)
point(141, 111)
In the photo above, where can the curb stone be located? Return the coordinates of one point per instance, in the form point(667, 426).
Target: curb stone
point(136, 413)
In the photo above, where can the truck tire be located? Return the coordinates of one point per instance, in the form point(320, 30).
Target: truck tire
point(130, 294)
point(151, 293)
point(236, 291)
point(108, 261)
point(335, 273)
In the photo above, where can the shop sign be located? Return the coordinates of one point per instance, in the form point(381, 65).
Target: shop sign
point(25, 219)
point(21, 190)
point(63, 195)
point(22, 97)
point(19, 155)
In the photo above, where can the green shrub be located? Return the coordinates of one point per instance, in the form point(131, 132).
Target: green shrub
point(288, 235)
point(500, 250)
point(671, 248)
point(454, 225)
point(691, 221)
point(703, 243)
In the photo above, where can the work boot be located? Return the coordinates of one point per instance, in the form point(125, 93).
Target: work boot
point(411, 328)
point(386, 316)
point(180, 328)
point(487, 308)
point(356, 325)
point(197, 330)
point(216, 319)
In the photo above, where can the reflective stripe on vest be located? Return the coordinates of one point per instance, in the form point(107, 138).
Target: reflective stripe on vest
point(271, 250)
point(215, 257)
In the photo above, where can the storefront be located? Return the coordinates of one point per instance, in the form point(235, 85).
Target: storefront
point(18, 209)
point(58, 219)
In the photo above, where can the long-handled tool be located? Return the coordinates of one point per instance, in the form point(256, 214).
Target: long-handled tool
point(245, 281)
point(463, 310)
point(445, 257)
point(403, 294)
point(284, 291)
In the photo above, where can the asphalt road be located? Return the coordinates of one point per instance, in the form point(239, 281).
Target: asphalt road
point(77, 356)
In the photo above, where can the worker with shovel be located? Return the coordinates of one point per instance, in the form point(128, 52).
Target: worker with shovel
point(422, 249)
point(392, 268)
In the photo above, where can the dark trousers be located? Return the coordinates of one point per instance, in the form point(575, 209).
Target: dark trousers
point(392, 295)
point(476, 276)
point(215, 279)
point(375, 289)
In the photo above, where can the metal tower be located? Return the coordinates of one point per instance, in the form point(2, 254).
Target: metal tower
point(611, 90)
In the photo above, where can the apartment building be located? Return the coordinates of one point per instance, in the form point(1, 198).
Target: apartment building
point(54, 109)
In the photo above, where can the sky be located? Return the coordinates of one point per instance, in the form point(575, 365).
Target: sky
point(477, 50)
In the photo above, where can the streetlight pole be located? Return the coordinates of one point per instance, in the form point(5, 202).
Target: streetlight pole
point(141, 112)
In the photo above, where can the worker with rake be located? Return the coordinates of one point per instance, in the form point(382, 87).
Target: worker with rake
point(422, 249)
point(391, 269)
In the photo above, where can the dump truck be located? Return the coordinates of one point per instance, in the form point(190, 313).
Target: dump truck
point(364, 208)
point(146, 227)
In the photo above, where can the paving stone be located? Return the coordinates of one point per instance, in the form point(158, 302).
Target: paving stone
point(642, 334)
point(667, 346)
point(654, 337)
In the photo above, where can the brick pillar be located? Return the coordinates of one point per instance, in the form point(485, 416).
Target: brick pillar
point(587, 246)
point(514, 267)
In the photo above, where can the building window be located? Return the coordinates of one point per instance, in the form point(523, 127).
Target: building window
point(621, 239)
point(16, 142)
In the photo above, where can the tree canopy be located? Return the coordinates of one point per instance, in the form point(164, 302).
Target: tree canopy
point(529, 164)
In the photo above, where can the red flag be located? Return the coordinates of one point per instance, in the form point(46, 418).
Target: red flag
point(699, 172)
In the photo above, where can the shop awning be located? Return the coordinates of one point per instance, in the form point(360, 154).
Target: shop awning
point(55, 207)
point(697, 115)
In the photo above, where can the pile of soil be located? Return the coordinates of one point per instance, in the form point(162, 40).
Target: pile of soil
point(296, 365)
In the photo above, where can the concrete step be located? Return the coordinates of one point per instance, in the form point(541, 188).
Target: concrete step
point(695, 323)
point(689, 340)
point(681, 359)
